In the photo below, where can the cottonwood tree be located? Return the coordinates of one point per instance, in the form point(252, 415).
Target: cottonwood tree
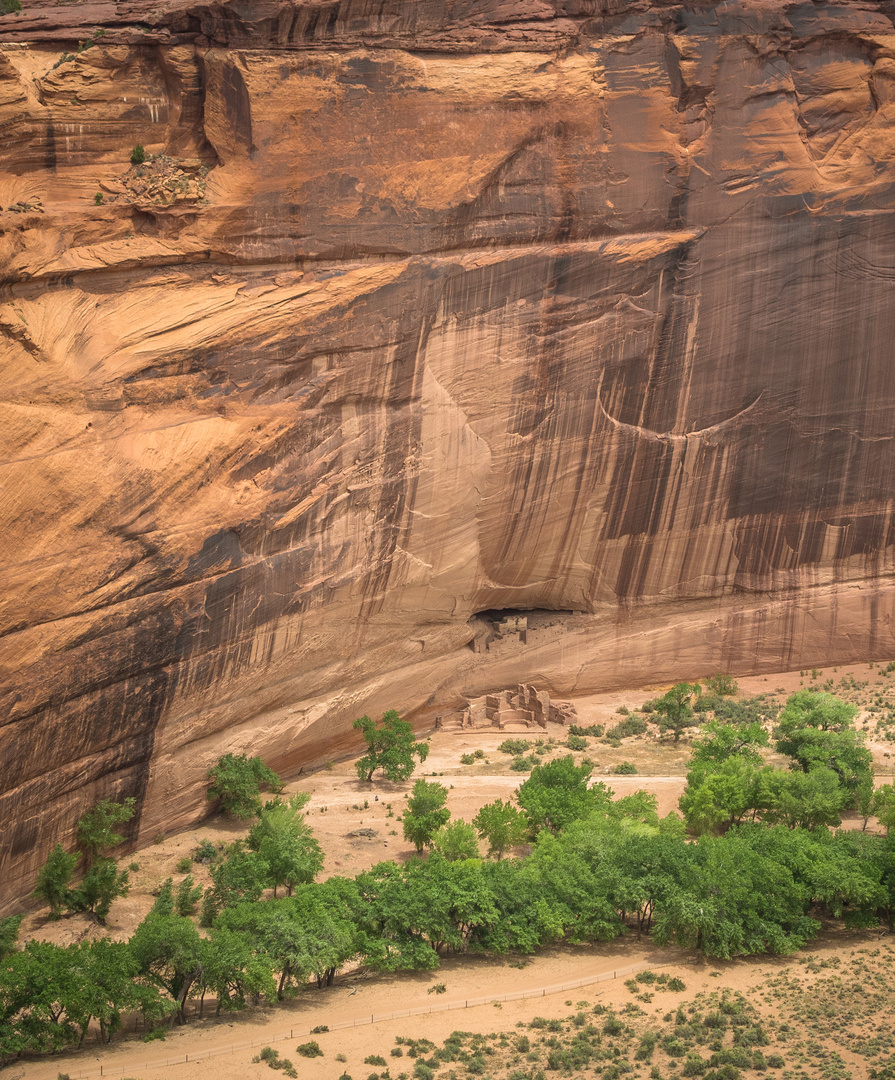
point(502, 825)
point(102, 884)
point(167, 951)
point(97, 828)
point(675, 708)
point(237, 781)
point(54, 880)
point(282, 837)
point(391, 747)
point(816, 730)
point(426, 813)
point(557, 793)
point(456, 840)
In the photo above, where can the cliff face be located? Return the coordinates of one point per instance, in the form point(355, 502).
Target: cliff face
point(426, 309)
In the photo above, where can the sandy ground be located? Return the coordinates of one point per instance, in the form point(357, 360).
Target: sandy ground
point(341, 804)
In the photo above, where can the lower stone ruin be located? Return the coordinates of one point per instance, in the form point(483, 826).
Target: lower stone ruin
point(510, 710)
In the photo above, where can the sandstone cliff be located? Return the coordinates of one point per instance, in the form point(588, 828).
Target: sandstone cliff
point(425, 308)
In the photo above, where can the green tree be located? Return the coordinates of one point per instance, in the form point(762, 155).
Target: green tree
point(675, 708)
point(107, 988)
point(557, 793)
point(884, 807)
point(164, 901)
point(426, 813)
point(391, 747)
point(719, 741)
point(865, 800)
point(456, 840)
point(167, 950)
point(232, 970)
point(236, 782)
point(741, 899)
point(815, 729)
point(842, 751)
point(98, 888)
point(241, 876)
point(187, 896)
point(502, 825)
point(54, 879)
point(802, 800)
point(282, 837)
point(97, 828)
point(416, 913)
point(811, 708)
point(9, 934)
point(721, 794)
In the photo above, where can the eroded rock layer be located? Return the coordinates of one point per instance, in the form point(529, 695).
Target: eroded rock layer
point(421, 310)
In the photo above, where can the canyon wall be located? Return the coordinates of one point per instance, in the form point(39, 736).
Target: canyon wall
point(418, 310)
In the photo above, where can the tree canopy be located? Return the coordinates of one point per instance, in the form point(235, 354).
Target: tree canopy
point(391, 747)
point(237, 782)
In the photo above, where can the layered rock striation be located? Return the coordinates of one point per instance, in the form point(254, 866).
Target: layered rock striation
point(421, 310)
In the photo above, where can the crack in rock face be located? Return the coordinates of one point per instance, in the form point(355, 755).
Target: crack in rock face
point(580, 309)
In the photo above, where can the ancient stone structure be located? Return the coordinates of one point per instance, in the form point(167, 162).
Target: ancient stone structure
point(421, 309)
point(510, 710)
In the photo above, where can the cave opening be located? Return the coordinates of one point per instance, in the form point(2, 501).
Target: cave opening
point(515, 624)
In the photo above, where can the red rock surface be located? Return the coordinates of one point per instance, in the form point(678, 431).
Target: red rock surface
point(426, 308)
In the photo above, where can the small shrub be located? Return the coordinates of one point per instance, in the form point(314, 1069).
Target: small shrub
point(310, 1050)
point(319, 1030)
point(467, 759)
point(676, 984)
point(134, 867)
point(577, 742)
point(138, 155)
point(98, 198)
point(440, 988)
point(514, 746)
point(396, 1051)
point(647, 1046)
point(694, 1065)
point(375, 1059)
point(205, 853)
point(159, 838)
point(775, 1061)
point(631, 725)
point(721, 685)
point(273, 1059)
point(594, 730)
point(707, 703)
point(523, 764)
point(625, 768)
point(478, 754)
point(184, 865)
